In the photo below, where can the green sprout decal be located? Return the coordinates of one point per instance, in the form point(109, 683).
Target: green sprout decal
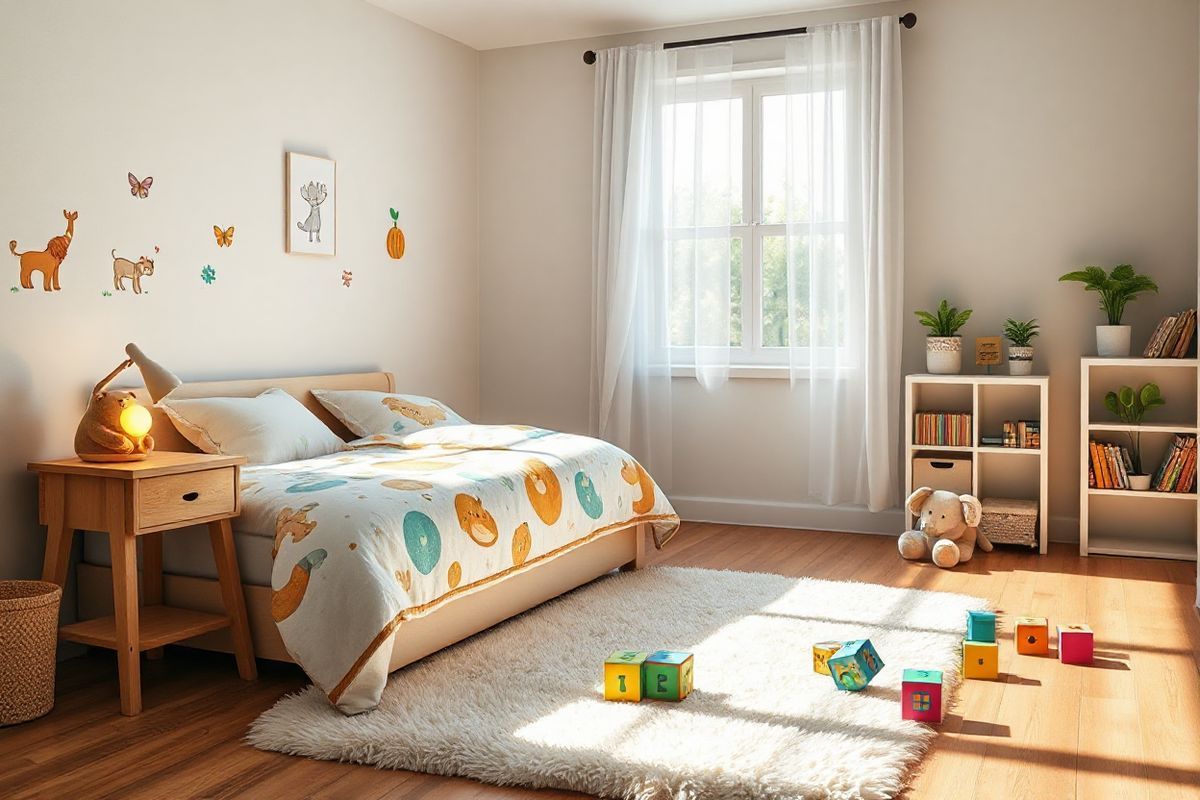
point(106, 293)
point(208, 274)
point(14, 289)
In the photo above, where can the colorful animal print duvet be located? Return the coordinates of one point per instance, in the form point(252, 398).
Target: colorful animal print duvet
point(397, 525)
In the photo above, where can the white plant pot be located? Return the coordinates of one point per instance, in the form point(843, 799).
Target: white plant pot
point(943, 355)
point(1020, 360)
point(1112, 341)
point(1139, 483)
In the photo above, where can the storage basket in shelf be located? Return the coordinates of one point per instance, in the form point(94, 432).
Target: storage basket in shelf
point(1006, 521)
point(28, 641)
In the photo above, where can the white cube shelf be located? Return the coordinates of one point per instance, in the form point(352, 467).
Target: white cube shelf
point(1122, 522)
point(1009, 472)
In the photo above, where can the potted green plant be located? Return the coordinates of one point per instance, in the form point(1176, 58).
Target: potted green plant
point(1020, 351)
point(943, 345)
point(1116, 288)
point(1130, 407)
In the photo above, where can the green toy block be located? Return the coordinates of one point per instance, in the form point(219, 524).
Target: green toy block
point(667, 675)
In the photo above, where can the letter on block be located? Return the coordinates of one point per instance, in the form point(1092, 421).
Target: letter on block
point(1033, 636)
point(855, 665)
point(822, 652)
point(623, 676)
point(981, 660)
point(921, 695)
point(667, 675)
point(1075, 644)
point(981, 626)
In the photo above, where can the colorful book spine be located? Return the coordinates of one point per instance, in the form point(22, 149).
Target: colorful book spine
point(1177, 472)
point(1100, 465)
point(1173, 336)
point(942, 429)
point(1188, 479)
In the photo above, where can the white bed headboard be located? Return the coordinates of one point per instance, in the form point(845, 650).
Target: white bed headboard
point(167, 438)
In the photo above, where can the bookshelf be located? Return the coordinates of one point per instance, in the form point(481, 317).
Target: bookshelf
point(1122, 522)
point(1008, 472)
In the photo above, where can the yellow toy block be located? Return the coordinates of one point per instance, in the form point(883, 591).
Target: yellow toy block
point(1033, 636)
point(981, 660)
point(822, 651)
point(623, 676)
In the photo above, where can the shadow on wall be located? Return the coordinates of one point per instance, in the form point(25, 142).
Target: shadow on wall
point(21, 432)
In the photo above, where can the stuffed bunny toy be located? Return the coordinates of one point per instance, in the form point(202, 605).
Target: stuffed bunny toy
point(946, 527)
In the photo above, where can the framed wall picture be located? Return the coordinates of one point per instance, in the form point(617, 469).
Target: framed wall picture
point(311, 191)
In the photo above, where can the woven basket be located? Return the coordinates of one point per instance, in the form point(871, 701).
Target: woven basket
point(28, 641)
point(1009, 521)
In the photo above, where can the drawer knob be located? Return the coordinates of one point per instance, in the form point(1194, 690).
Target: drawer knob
point(190, 496)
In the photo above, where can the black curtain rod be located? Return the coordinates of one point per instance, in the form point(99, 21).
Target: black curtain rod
point(589, 57)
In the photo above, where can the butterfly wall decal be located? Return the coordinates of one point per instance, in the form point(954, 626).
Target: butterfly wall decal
point(224, 237)
point(140, 188)
point(346, 278)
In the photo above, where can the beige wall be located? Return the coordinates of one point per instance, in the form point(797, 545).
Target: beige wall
point(206, 97)
point(1038, 136)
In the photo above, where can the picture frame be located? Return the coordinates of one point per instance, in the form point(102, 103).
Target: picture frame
point(987, 351)
point(310, 192)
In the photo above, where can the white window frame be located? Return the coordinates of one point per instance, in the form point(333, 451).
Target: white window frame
point(755, 359)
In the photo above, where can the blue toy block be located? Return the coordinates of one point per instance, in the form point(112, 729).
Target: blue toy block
point(855, 665)
point(981, 626)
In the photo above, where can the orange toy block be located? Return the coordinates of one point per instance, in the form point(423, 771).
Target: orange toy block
point(1033, 636)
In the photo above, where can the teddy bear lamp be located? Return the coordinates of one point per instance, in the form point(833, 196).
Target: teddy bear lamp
point(115, 427)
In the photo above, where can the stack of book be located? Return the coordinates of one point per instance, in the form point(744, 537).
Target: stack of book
point(1173, 336)
point(1177, 473)
point(1111, 466)
point(1026, 433)
point(942, 428)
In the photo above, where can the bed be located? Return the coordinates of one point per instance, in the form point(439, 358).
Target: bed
point(335, 551)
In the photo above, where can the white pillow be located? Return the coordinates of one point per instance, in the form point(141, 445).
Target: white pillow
point(269, 429)
point(368, 413)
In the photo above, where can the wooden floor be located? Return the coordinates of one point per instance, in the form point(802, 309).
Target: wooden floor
point(1128, 727)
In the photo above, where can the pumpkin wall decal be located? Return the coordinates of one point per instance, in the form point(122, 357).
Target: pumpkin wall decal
point(395, 239)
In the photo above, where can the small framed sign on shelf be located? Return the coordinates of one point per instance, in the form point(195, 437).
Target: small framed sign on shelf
point(987, 352)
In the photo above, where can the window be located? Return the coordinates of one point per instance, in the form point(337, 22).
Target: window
point(921, 701)
point(742, 146)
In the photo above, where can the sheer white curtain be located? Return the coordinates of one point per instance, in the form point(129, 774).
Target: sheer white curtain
point(702, 152)
point(845, 253)
point(666, 183)
point(630, 363)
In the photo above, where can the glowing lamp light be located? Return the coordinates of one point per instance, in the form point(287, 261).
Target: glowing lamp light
point(135, 420)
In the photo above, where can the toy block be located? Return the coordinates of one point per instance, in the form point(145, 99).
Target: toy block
point(667, 675)
point(854, 665)
point(981, 626)
point(981, 660)
point(623, 675)
point(1033, 636)
point(921, 695)
point(822, 652)
point(1075, 644)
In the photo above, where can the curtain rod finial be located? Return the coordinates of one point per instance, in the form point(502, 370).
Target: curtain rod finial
point(908, 20)
point(589, 56)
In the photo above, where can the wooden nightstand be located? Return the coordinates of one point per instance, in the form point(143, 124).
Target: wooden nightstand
point(137, 501)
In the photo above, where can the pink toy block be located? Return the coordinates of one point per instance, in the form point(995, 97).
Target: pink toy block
point(921, 695)
point(1075, 644)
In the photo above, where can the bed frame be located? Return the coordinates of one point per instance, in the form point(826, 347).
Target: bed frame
point(451, 622)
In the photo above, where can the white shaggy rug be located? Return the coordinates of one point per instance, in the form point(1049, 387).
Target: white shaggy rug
point(522, 703)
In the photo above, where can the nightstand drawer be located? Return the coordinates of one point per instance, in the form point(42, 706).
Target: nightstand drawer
point(172, 499)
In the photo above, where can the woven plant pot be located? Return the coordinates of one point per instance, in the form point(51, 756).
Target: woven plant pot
point(28, 641)
point(943, 355)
